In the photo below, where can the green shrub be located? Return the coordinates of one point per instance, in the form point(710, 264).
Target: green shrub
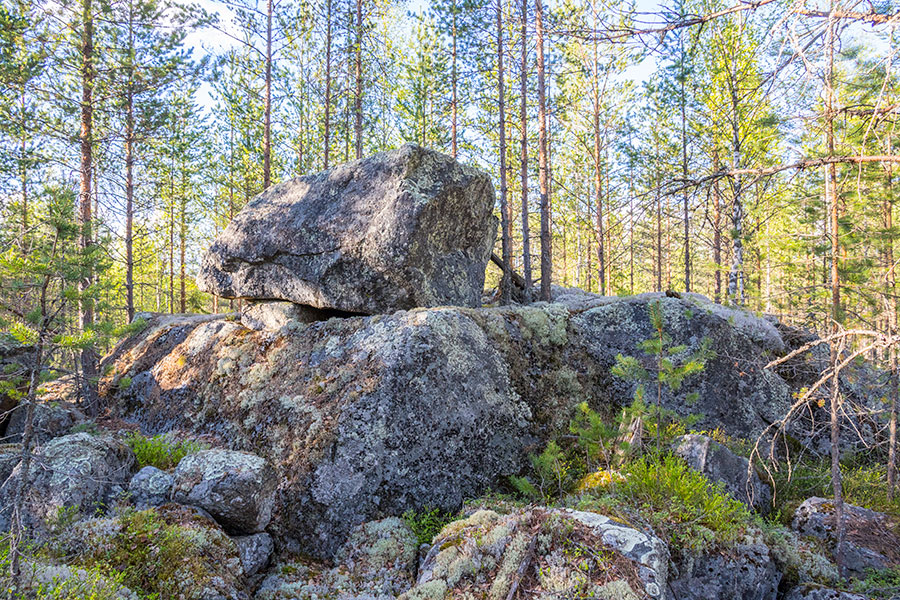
point(879, 585)
point(427, 523)
point(159, 451)
point(681, 503)
point(553, 475)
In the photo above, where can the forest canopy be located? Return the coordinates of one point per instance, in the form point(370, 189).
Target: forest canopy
point(741, 150)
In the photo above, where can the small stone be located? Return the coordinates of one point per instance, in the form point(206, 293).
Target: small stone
point(719, 464)
point(151, 487)
point(255, 551)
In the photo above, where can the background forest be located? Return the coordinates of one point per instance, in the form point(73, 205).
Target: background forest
point(743, 151)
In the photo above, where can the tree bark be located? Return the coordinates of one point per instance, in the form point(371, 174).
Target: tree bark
point(523, 140)
point(546, 248)
point(267, 125)
point(505, 213)
point(453, 76)
point(598, 176)
point(717, 231)
point(88, 356)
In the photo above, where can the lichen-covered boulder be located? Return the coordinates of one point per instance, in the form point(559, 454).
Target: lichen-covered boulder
point(47, 580)
point(400, 229)
point(815, 592)
point(236, 488)
point(151, 487)
point(378, 562)
point(10, 455)
point(871, 540)
point(542, 553)
point(719, 464)
point(255, 551)
point(78, 472)
point(746, 571)
point(734, 392)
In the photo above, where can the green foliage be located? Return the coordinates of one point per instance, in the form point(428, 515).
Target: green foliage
point(159, 451)
point(881, 584)
point(427, 522)
point(595, 438)
point(553, 472)
point(681, 502)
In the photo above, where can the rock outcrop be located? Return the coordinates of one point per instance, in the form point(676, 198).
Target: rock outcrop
point(367, 416)
point(78, 472)
point(747, 571)
point(397, 230)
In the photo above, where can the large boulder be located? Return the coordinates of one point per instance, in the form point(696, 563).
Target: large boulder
point(81, 473)
point(817, 592)
point(400, 229)
point(542, 553)
point(871, 540)
point(55, 413)
point(719, 464)
point(236, 488)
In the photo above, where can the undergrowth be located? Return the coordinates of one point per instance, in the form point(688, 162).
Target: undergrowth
point(159, 451)
point(428, 522)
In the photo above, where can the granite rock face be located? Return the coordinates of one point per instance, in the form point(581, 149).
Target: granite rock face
point(397, 230)
point(748, 572)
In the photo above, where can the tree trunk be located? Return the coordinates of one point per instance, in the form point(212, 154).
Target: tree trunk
point(523, 140)
point(832, 202)
point(505, 213)
point(453, 77)
point(267, 125)
point(717, 230)
point(357, 127)
point(88, 356)
point(327, 142)
point(891, 305)
point(546, 249)
point(129, 170)
point(684, 173)
point(598, 176)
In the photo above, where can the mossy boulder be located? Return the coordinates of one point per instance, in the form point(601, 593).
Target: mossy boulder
point(542, 553)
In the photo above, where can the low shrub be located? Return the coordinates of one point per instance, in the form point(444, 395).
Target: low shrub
point(159, 451)
point(681, 503)
point(427, 523)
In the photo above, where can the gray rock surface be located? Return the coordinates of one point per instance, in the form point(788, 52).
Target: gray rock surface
point(79, 472)
point(255, 551)
point(719, 464)
point(10, 455)
point(236, 488)
point(871, 540)
point(151, 487)
point(377, 562)
point(747, 572)
point(400, 229)
point(815, 592)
